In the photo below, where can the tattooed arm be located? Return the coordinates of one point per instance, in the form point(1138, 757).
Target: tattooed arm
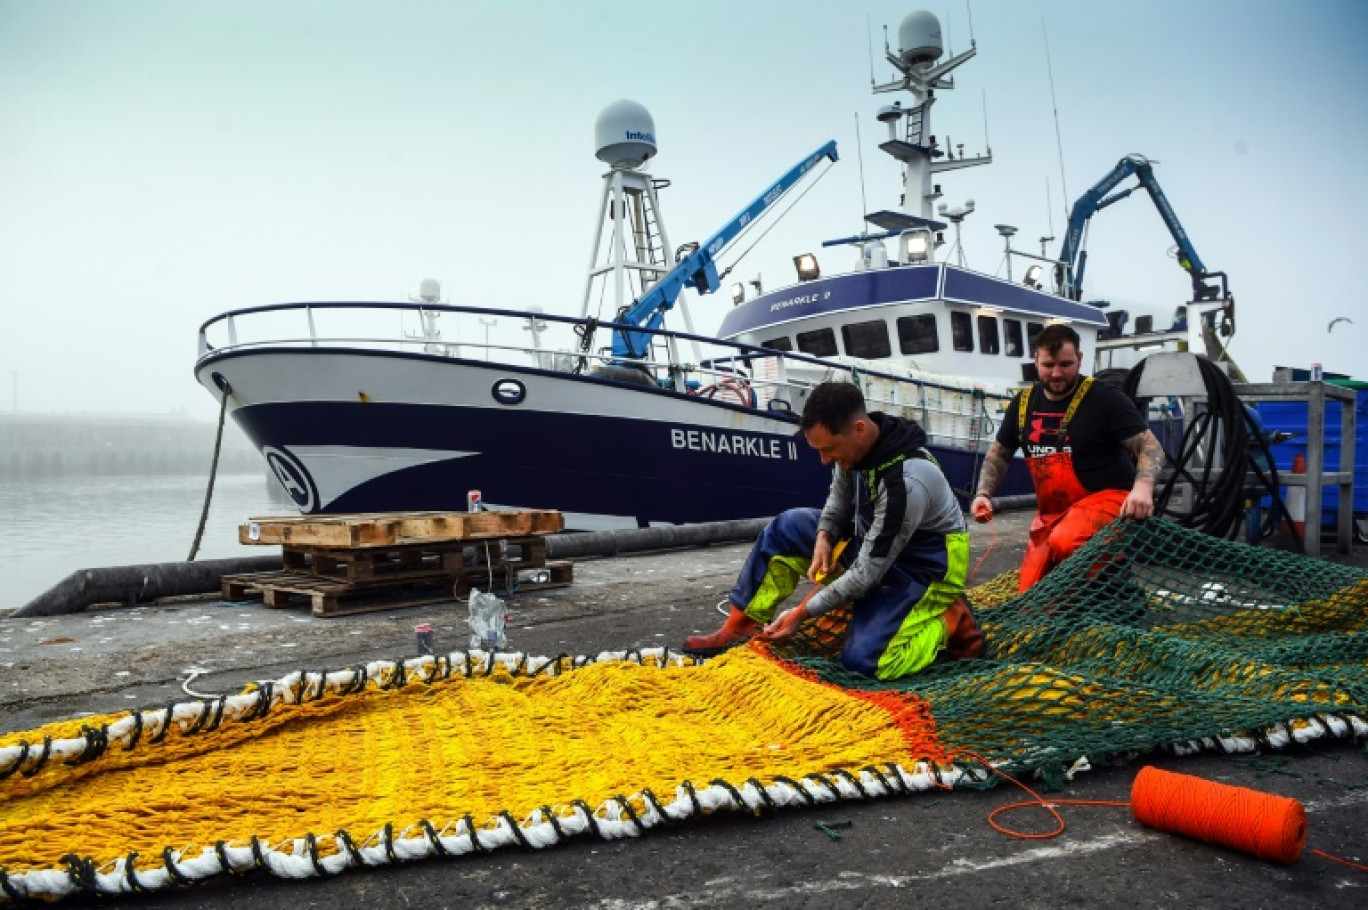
point(994, 469)
point(990, 475)
point(1149, 461)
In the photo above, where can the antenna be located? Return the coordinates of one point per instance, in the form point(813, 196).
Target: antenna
point(869, 32)
point(1049, 206)
point(1007, 230)
point(956, 217)
point(1059, 142)
point(988, 143)
point(859, 154)
point(969, 8)
point(1049, 217)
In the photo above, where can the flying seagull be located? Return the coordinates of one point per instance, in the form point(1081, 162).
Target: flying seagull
point(1338, 319)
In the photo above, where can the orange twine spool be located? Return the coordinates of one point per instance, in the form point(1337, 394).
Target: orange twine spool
point(1267, 826)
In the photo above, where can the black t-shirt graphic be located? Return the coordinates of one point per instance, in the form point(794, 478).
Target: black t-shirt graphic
point(1104, 420)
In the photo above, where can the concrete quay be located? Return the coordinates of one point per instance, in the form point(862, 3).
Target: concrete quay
point(932, 849)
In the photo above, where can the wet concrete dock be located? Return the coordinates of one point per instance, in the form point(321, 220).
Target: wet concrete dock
point(925, 850)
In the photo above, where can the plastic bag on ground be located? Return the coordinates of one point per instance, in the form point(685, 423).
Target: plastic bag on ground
point(488, 622)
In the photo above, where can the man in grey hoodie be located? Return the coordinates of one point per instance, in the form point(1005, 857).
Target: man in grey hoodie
point(906, 560)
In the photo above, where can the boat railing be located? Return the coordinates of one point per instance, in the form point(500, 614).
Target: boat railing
point(959, 414)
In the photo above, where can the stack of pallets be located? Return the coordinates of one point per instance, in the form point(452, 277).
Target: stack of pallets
point(342, 564)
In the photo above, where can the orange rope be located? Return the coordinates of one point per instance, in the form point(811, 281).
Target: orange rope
point(1036, 800)
point(992, 528)
point(1335, 859)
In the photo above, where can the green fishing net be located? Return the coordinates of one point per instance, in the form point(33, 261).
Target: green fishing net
point(1152, 635)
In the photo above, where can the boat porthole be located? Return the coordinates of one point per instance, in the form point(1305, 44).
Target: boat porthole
point(508, 391)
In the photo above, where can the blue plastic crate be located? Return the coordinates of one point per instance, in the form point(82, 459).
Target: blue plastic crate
point(1290, 416)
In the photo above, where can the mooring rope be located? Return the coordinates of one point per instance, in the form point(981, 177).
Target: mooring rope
point(213, 472)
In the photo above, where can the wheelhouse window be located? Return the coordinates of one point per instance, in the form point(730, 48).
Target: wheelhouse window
point(818, 343)
point(961, 331)
point(1013, 346)
point(782, 343)
point(1033, 330)
point(988, 334)
point(866, 339)
point(917, 334)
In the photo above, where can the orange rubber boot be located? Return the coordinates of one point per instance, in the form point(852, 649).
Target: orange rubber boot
point(738, 628)
point(965, 638)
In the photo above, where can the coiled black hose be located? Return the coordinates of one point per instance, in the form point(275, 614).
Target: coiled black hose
point(1219, 435)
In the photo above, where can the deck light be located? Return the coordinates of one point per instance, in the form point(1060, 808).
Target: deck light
point(806, 263)
point(738, 293)
point(1032, 279)
point(916, 246)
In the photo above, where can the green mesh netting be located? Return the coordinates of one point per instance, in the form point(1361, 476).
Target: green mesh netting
point(1151, 635)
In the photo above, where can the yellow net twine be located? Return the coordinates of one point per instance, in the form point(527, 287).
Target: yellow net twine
point(448, 765)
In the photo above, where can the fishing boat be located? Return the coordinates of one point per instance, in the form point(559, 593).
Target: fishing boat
point(625, 421)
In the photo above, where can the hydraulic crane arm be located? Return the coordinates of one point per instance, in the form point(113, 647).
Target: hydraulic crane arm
point(699, 268)
point(1097, 198)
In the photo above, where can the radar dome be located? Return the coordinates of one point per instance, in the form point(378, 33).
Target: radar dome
point(430, 290)
point(919, 38)
point(625, 135)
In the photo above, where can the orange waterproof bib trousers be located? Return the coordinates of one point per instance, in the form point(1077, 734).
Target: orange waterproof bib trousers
point(1067, 514)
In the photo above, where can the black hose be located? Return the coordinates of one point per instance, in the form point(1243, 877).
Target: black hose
point(145, 583)
point(1018, 503)
point(1217, 436)
point(576, 545)
point(140, 584)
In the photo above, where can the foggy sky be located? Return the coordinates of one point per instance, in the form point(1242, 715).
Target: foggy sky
point(161, 162)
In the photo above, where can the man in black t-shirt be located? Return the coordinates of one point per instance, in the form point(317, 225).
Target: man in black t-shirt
point(1089, 451)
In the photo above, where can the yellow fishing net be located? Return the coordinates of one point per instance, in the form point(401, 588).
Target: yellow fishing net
point(438, 759)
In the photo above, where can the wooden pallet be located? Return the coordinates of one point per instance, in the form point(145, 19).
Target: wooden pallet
point(413, 561)
point(337, 597)
point(388, 529)
point(330, 597)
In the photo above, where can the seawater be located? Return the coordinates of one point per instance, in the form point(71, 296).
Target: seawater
point(53, 526)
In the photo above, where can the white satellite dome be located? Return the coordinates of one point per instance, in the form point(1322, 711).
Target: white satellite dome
point(919, 38)
point(624, 135)
point(430, 290)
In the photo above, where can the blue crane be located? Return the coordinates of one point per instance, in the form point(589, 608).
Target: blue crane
point(1096, 199)
point(699, 268)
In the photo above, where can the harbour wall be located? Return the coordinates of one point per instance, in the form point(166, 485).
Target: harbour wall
point(38, 445)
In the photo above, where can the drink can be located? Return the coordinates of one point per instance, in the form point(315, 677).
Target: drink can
point(423, 633)
point(1316, 374)
point(473, 503)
